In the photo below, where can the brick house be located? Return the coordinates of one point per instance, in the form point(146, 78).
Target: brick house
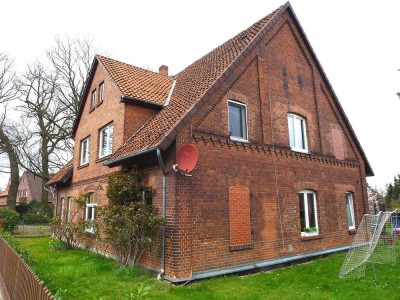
point(30, 188)
point(281, 173)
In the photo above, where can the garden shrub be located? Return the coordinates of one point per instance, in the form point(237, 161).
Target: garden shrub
point(15, 245)
point(35, 212)
point(10, 219)
point(128, 222)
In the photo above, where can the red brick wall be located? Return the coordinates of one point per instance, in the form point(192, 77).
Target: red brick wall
point(239, 215)
point(278, 77)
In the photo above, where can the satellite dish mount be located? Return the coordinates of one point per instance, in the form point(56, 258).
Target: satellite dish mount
point(186, 160)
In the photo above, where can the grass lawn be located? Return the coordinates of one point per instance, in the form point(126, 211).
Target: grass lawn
point(82, 275)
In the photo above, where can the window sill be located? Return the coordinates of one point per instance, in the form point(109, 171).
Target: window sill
point(103, 158)
point(100, 103)
point(238, 139)
point(241, 247)
point(83, 166)
point(91, 109)
point(300, 150)
point(311, 237)
point(352, 231)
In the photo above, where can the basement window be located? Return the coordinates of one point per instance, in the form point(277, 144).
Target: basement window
point(237, 121)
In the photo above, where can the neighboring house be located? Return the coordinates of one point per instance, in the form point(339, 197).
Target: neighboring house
point(30, 188)
point(4, 194)
point(375, 200)
point(281, 173)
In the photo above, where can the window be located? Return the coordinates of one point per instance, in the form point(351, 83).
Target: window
point(90, 211)
point(69, 213)
point(148, 196)
point(106, 140)
point(62, 209)
point(101, 92)
point(350, 210)
point(93, 103)
point(85, 151)
point(297, 133)
point(308, 212)
point(237, 121)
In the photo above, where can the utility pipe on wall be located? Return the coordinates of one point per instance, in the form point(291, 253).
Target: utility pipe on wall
point(164, 202)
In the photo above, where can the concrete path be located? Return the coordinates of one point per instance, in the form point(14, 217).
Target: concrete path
point(3, 291)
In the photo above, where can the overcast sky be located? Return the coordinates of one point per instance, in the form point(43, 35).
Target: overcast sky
point(357, 43)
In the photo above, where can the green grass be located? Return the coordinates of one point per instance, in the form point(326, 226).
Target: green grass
point(83, 275)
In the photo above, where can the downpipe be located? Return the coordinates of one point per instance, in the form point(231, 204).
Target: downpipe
point(164, 204)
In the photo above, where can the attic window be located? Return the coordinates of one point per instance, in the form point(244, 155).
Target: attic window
point(101, 92)
point(237, 121)
point(93, 103)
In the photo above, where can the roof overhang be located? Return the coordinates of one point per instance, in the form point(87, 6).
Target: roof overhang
point(144, 102)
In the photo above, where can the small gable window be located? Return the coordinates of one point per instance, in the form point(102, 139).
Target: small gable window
point(237, 120)
point(106, 140)
point(101, 92)
point(93, 103)
point(85, 151)
point(350, 210)
point(297, 133)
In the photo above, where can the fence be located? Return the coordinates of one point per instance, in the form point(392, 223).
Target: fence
point(19, 279)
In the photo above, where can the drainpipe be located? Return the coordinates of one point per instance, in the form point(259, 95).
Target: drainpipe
point(164, 202)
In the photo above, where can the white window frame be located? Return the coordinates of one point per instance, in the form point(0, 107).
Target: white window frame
point(296, 137)
point(307, 218)
point(62, 209)
point(90, 206)
point(350, 209)
point(245, 122)
point(93, 100)
point(85, 154)
point(108, 148)
point(69, 212)
point(101, 92)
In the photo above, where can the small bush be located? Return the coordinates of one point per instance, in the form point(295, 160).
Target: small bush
point(10, 219)
point(34, 218)
point(35, 212)
point(15, 245)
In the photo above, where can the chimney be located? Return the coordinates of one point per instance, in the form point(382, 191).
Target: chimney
point(163, 70)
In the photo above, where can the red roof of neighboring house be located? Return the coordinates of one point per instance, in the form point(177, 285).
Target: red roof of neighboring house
point(62, 175)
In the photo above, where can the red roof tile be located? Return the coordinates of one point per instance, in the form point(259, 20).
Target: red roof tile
point(136, 82)
point(191, 84)
point(62, 175)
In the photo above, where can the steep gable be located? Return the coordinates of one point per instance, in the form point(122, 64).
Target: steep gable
point(196, 84)
point(191, 87)
point(133, 83)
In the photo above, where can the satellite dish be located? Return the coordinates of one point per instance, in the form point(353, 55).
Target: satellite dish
point(186, 159)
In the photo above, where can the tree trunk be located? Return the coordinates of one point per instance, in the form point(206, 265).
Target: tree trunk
point(7, 147)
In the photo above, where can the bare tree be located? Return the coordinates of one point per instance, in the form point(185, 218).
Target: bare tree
point(72, 59)
point(44, 135)
point(8, 92)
